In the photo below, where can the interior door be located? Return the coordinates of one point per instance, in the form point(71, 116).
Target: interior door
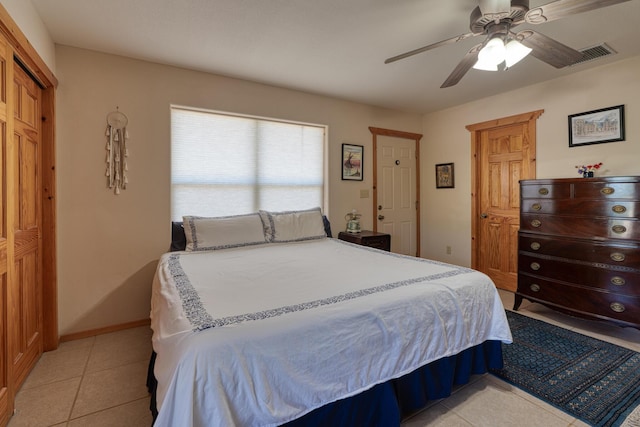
point(396, 188)
point(27, 216)
point(504, 153)
point(6, 403)
point(396, 210)
point(25, 287)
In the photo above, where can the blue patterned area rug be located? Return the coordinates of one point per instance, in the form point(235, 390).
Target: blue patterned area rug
point(592, 380)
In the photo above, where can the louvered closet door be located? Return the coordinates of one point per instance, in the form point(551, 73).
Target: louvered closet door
point(6, 403)
point(26, 287)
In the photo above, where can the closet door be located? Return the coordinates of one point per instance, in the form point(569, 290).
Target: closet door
point(25, 289)
point(27, 214)
point(6, 401)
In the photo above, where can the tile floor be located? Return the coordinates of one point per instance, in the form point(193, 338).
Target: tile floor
point(490, 402)
point(100, 381)
point(97, 381)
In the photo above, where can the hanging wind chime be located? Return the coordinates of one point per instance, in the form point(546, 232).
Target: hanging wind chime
point(117, 151)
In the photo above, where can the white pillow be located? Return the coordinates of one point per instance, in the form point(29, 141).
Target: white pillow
point(205, 234)
point(293, 226)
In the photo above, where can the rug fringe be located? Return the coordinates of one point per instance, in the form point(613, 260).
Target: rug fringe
point(633, 420)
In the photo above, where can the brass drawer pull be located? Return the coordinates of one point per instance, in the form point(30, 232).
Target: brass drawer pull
point(617, 307)
point(619, 229)
point(619, 209)
point(618, 281)
point(617, 256)
point(544, 191)
point(535, 246)
point(536, 223)
point(607, 190)
point(536, 206)
point(535, 287)
point(535, 266)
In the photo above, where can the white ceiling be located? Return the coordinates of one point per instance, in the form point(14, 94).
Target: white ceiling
point(329, 47)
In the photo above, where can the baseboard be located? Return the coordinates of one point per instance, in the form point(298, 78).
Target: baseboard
point(105, 330)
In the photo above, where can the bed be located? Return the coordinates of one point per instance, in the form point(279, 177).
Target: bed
point(264, 320)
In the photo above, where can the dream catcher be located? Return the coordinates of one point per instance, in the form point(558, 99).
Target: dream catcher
point(117, 151)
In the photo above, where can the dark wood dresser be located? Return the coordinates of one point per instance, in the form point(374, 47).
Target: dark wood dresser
point(368, 238)
point(579, 246)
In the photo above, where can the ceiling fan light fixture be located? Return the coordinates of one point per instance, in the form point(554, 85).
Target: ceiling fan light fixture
point(515, 52)
point(485, 65)
point(491, 55)
point(493, 51)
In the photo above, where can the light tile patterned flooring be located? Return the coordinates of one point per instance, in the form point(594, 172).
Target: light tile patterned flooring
point(97, 381)
point(100, 381)
point(489, 402)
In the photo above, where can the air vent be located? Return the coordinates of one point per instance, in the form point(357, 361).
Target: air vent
point(595, 52)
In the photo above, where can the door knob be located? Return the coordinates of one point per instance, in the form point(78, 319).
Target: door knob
point(380, 217)
point(483, 215)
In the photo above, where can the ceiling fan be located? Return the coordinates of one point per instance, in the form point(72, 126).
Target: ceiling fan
point(496, 19)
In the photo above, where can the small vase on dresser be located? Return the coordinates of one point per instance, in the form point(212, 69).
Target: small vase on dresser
point(579, 247)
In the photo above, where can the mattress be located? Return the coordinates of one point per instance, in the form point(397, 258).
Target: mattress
point(261, 335)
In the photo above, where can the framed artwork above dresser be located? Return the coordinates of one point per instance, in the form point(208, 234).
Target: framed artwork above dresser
point(579, 246)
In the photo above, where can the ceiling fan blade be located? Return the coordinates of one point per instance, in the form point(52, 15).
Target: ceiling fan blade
point(563, 8)
point(465, 65)
point(549, 50)
point(429, 47)
point(495, 8)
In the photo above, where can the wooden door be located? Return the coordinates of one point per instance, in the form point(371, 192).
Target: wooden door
point(396, 188)
point(504, 153)
point(6, 398)
point(25, 288)
point(27, 216)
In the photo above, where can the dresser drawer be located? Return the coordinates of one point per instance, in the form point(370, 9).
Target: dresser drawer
point(545, 191)
point(622, 280)
point(616, 253)
point(625, 308)
point(584, 207)
point(581, 227)
point(604, 190)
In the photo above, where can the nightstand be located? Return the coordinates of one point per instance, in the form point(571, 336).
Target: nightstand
point(368, 238)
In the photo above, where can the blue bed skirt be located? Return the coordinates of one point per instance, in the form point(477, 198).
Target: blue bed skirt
point(388, 403)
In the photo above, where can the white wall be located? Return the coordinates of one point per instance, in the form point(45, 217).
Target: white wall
point(30, 23)
point(446, 213)
point(108, 245)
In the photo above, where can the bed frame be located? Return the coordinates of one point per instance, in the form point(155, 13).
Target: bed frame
point(385, 404)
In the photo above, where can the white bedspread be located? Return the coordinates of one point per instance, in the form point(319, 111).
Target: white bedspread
point(259, 336)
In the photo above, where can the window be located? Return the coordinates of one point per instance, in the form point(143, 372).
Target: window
point(225, 164)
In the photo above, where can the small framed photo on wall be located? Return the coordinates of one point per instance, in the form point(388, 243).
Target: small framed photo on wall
point(352, 156)
point(444, 175)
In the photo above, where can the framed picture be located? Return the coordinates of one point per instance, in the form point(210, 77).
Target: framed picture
point(597, 126)
point(352, 162)
point(444, 175)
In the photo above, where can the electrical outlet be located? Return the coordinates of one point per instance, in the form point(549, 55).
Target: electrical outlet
point(448, 250)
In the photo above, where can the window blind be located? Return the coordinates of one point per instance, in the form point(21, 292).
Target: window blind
point(225, 164)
